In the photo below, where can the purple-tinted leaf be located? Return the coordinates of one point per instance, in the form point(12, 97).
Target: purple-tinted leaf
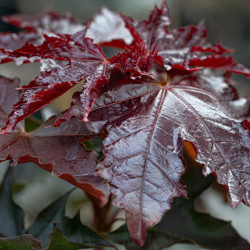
point(14, 41)
point(144, 143)
point(100, 116)
point(216, 49)
point(63, 24)
point(57, 150)
point(184, 48)
point(226, 63)
point(48, 22)
point(239, 107)
point(155, 27)
point(135, 61)
point(84, 59)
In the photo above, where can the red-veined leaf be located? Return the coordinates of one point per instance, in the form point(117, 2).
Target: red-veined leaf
point(84, 59)
point(146, 125)
point(182, 48)
point(57, 150)
point(108, 28)
point(51, 21)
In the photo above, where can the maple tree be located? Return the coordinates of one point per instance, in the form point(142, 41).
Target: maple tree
point(166, 88)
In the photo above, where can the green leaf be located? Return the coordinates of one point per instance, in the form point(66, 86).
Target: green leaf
point(11, 216)
point(43, 225)
point(32, 123)
point(182, 224)
point(206, 231)
point(23, 242)
point(59, 241)
point(74, 231)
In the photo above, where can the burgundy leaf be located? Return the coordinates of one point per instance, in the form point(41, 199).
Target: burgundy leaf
point(14, 41)
point(226, 63)
point(184, 48)
point(135, 61)
point(216, 49)
point(57, 150)
point(63, 24)
point(99, 117)
point(155, 27)
point(84, 59)
point(143, 147)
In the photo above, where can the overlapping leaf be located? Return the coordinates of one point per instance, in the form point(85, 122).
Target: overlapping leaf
point(11, 214)
point(182, 48)
point(48, 22)
point(57, 150)
point(84, 60)
point(108, 28)
point(147, 118)
point(146, 125)
point(51, 21)
point(216, 234)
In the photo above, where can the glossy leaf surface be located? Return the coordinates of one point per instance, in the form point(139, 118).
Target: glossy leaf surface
point(217, 234)
point(108, 28)
point(143, 148)
point(57, 150)
point(183, 48)
point(84, 61)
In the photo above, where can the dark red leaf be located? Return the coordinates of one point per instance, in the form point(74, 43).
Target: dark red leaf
point(146, 125)
point(14, 41)
point(118, 83)
point(51, 21)
point(47, 22)
point(57, 150)
point(216, 49)
point(84, 59)
point(184, 48)
point(226, 63)
point(155, 27)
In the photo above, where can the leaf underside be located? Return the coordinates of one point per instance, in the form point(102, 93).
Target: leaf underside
point(57, 150)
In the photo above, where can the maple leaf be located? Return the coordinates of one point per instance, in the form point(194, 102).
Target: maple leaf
point(149, 99)
point(50, 21)
point(57, 150)
point(183, 48)
point(108, 28)
point(147, 124)
point(84, 60)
